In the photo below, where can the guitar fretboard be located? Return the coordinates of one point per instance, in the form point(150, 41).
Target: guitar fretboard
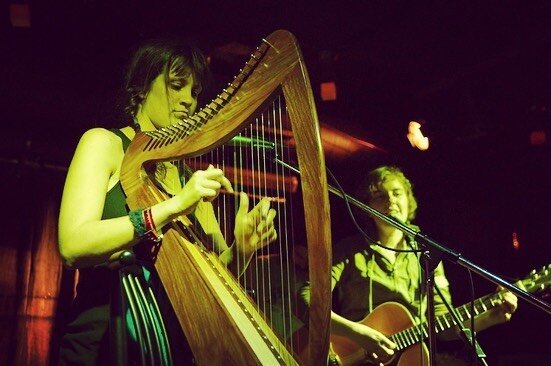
point(419, 332)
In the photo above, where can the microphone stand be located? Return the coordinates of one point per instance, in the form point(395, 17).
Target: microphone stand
point(428, 277)
point(466, 335)
point(434, 250)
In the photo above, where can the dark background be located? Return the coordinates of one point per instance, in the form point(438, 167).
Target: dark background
point(477, 74)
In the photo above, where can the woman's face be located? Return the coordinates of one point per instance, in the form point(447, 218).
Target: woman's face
point(167, 103)
point(391, 199)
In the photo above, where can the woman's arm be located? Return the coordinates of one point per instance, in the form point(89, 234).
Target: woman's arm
point(84, 238)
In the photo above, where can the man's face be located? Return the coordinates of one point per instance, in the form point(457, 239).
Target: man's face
point(391, 198)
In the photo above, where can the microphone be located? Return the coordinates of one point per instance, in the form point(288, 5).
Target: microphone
point(244, 141)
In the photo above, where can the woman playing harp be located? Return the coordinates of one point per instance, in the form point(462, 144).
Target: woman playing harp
point(163, 82)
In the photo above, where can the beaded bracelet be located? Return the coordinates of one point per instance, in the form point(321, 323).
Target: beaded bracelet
point(151, 231)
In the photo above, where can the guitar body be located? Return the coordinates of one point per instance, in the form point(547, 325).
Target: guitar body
point(388, 318)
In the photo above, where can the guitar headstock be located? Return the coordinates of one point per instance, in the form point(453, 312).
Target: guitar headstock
point(538, 281)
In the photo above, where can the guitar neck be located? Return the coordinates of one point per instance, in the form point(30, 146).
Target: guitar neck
point(443, 322)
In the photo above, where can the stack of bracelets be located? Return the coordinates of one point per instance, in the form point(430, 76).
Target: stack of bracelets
point(144, 225)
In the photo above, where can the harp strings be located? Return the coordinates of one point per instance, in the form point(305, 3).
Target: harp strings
point(250, 167)
point(271, 276)
point(287, 275)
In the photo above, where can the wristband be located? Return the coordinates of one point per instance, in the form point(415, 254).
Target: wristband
point(137, 220)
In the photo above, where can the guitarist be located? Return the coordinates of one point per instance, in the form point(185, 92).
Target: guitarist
point(366, 275)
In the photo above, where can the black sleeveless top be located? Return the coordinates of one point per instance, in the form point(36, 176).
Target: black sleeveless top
point(85, 340)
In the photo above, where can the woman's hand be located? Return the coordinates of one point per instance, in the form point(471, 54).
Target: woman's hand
point(254, 229)
point(203, 185)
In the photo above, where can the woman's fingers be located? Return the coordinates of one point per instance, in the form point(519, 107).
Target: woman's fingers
point(266, 223)
point(209, 182)
point(226, 184)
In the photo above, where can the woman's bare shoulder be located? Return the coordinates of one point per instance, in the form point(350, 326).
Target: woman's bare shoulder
point(99, 145)
point(99, 135)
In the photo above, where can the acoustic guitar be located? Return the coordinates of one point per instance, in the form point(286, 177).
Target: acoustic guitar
point(396, 322)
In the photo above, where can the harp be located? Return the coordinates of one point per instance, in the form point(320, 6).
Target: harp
point(221, 321)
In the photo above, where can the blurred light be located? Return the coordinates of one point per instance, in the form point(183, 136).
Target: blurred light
point(516, 243)
point(335, 142)
point(538, 137)
point(340, 144)
point(20, 15)
point(328, 91)
point(415, 136)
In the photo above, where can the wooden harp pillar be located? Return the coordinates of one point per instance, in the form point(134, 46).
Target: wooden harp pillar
point(221, 322)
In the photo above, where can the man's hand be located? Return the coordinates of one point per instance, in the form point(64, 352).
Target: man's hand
point(376, 345)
